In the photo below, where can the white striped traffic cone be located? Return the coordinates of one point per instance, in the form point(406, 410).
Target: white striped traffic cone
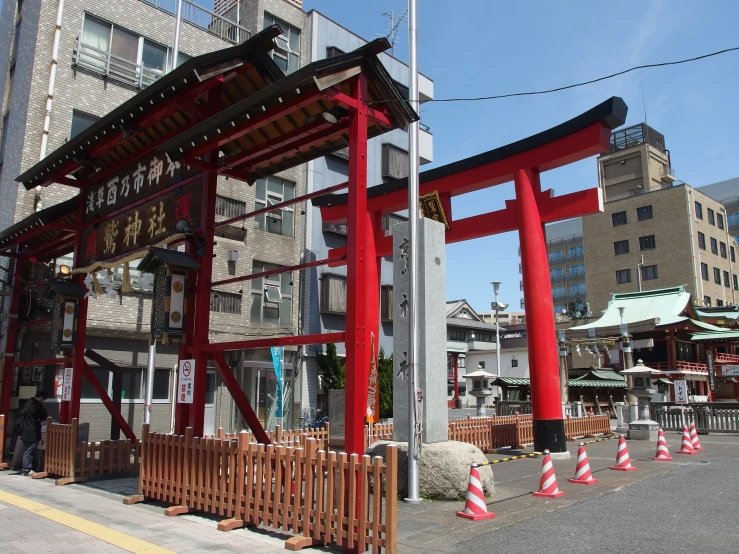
point(694, 438)
point(686, 445)
point(623, 462)
point(662, 455)
point(548, 481)
point(474, 506)
point(582, 471)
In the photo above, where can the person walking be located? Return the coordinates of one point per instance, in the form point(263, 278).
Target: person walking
point(32, 415)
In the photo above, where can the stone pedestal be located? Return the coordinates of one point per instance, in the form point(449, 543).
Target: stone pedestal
point(432, 370)
point(643, 429)
point(625, 414)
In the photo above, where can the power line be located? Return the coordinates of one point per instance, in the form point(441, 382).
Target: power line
point(558, 89)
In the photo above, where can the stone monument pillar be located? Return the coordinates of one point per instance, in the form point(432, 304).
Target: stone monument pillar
point(432, 363)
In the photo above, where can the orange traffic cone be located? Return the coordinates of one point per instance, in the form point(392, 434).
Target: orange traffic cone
point(582, 471)
point(623, 462)
point(694, 438)
point(686, 445)
point(662, 455)
point(474, 506)
point(548, 481)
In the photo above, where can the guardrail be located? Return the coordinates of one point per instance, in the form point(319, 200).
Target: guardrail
point(115, 67)
point(323, 497)
point(722, 358)
point(204, 19)
point(710, 417)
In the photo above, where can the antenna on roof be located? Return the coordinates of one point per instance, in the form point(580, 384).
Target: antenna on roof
point(394, 22)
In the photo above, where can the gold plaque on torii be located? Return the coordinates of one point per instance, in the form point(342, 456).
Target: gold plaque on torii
point(432, 208)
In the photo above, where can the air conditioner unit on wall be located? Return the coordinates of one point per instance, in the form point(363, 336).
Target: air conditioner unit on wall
point(232, 256)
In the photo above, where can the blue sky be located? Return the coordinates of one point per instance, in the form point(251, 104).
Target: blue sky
point(478, 48)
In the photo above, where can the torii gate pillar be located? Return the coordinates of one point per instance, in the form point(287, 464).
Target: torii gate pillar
point(549, 425)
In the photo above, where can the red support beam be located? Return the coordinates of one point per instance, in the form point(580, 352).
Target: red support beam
point(298, 340)
point(115, 414)
point(277, 271)
point(48, 361)
point(296, 200)
point(240, 399)
point(182, 411)
point(346, 101)
point(10, 343)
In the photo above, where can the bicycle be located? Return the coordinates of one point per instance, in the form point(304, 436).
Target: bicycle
point(311, 419)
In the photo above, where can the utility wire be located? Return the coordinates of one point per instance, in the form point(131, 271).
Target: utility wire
point(558, 89)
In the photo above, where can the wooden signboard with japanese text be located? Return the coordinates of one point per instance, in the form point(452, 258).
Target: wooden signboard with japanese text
point(143, 225)
point(136, 181)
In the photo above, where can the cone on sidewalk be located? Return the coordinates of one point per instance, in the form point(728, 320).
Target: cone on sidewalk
point(548, 481)
point(623, 462)
point(686, 445)
point(582, 470)
point(474, 506)
point(662, 455)
point(694, 438)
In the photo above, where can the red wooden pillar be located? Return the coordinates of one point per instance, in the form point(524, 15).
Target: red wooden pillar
point(362, 290)
point(9, 353)
point(182, 411)
point(549, 432)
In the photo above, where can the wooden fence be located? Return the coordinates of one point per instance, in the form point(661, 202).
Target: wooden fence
point(283, 437)
point(323, 497)
point(75, 462)
point(711, 417)
point(588, 426)
point(3, 465)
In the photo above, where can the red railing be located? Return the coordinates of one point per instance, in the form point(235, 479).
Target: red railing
point(722, 358)
point(679, 366)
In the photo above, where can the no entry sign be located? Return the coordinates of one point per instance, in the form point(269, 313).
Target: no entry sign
point(186, 381)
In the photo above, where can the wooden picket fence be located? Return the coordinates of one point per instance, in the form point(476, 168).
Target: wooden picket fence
point(72, 462)
point(711, 417)
point(284, 437)
point(3, 465)
point(322, 497)
point(377, 432)
point(588, 426)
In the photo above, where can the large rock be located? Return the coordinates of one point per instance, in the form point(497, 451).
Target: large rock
point(445, 468)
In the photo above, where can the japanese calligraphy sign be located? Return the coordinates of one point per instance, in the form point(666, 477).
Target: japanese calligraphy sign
point(431, 208)
point(711, 370)
point(681, 391)
point(134, 182)
point(143, 225)
point(186, 381)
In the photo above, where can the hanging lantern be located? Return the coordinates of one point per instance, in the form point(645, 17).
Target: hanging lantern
point(168, 306)
point(64, 312)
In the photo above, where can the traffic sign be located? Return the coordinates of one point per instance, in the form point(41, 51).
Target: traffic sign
point(186, 382)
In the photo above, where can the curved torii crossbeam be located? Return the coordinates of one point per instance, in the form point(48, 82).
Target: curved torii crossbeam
point(522, 162)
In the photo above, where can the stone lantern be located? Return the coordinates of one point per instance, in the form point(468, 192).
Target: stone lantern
point(481, 388)
point(643, 386)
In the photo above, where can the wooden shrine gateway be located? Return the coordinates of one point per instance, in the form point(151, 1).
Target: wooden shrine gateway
point(146, 175)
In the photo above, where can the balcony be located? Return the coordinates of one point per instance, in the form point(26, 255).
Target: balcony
point(667, 174)
point(679, 367)
point(425, 144)
point(204, 19)
point(114, 67)
point(722, 358)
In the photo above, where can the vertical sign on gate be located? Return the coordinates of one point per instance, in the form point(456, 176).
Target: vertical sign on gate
point(186, 381)
point(67, 385)
point(711, 371)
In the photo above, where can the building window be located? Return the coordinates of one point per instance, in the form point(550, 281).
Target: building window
point(225, 302)
point(701, 241)
point(707, 300)
point(643, 213)
point(337, 228)
point(457, 335)
point(704, 271)
point(714, 246)
point(332, 52)
point(229, 207)
point(732, 254)
point(698, 210)
point(271, 191)
point(514, 362)
point(647, 243)
point(120, 54)
point(394, 162)
point(619, 218)
point(575, 252)
point(555, 256)
point(621, 247)
point(333, 294)
point(556, 273)
point(717, 275)
point(722, 249)
point(719, 302)
point(133, 384)
point(271, 297)
point(558, 292)
point(391, 220)
point(711, 217)
point(286, 53)
point(727, 284)
point(386, 303)
point(623, 276)
point(485, 337)
point(720, 220)
point(649, 272)
point(80, 122)
point(736, 282)
point(576, 270)
point(560, 309)
point(577, 289)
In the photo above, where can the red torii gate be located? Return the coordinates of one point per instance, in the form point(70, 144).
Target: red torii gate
point(521, 162)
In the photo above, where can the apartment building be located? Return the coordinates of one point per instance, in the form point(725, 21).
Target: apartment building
point(504, 318)
point(63, 65)
point(655, 232)
point(324, 288)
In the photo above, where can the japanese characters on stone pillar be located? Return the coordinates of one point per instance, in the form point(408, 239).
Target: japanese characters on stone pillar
point(432, 371)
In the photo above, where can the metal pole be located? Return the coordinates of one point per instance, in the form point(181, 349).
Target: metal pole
point(176, 45)
point(414, 451)
point(497, 336)
point(150, 365)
